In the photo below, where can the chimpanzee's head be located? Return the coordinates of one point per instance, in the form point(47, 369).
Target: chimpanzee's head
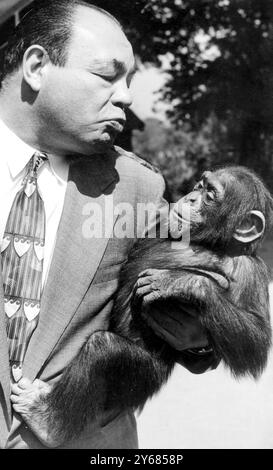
point(229, 207)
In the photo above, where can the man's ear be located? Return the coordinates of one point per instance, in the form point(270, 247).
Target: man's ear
point(251, 228)
point(35, 57)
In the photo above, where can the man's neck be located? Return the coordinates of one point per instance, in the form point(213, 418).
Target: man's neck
point(17, 120)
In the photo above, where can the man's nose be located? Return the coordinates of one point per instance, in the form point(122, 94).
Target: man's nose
point(122, 96)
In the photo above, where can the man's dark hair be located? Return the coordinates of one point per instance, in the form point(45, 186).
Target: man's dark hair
point(48, 23)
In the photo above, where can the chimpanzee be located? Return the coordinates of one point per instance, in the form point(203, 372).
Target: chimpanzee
point(219, 274)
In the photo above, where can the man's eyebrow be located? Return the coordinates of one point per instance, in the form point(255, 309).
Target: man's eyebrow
point(112, 66)
point(121, 68)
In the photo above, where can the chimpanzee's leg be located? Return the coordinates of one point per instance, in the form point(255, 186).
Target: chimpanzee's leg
point(109, 373)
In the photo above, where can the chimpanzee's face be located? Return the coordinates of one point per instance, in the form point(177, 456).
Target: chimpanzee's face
point(221, 208)
point(208, 192)
point(205, 197)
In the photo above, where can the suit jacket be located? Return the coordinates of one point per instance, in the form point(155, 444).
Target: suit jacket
point(78, 295)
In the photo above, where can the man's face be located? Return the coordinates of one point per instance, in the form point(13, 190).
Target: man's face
point(84, 101)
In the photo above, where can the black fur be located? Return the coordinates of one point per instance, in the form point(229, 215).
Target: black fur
point(123, 367)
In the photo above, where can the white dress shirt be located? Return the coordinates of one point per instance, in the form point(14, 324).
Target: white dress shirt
point(52, 181)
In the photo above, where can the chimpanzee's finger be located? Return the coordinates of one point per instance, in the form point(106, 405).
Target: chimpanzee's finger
point(151, 272)
point(144, 281)
point(142, 291)
point(150, 297)
point(146, 272)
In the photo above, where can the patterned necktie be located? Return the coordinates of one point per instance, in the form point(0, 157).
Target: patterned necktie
point(22, 265)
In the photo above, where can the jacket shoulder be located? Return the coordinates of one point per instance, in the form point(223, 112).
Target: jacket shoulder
point(132, 159)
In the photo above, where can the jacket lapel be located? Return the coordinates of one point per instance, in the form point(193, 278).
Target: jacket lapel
point(75, 258)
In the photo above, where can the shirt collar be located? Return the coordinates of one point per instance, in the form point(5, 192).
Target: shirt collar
point(59, 167)
point(16, 152)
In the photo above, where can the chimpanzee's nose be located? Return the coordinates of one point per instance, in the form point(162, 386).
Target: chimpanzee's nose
point(193, 198)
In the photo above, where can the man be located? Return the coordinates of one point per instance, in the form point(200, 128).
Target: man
point(65, 87)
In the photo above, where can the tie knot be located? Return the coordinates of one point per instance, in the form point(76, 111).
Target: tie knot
point(37, 161)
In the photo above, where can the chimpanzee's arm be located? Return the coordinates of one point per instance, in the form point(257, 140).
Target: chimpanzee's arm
point(237, 326)
point(188, 285)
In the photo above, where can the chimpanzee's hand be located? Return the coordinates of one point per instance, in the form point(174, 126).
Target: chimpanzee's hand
point(180, 328)
point(175, 322)
point(153, 284)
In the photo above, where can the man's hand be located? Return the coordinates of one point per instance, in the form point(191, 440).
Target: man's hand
point(27, 400)
point(25, 394)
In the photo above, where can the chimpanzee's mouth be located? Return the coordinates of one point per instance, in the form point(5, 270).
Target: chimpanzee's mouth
point(179, 217)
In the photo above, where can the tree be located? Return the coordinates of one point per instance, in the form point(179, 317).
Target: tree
point(221, 60)
point(180, 153)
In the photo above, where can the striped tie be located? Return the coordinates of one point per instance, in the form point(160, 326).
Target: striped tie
point(22, 265)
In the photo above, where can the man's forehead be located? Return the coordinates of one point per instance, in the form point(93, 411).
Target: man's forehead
point(85, 14)
point(98, 39)
point(89, 25)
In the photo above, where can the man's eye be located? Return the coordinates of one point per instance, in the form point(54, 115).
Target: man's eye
point(107, 78)
point(198, 186)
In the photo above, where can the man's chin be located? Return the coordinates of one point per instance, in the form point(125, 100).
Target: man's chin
point(92, 146)
point(102, 146)
point(103, 143)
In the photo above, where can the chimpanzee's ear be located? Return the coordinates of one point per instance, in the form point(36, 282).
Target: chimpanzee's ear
point(251, 228)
